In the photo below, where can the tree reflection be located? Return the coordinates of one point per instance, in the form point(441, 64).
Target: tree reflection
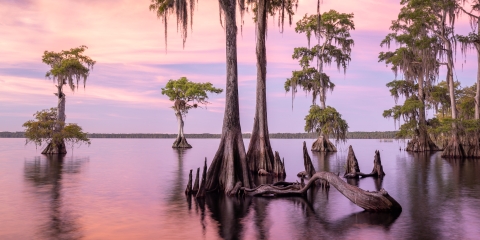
point(46, 175)
point(316, 221)
point(228, 212)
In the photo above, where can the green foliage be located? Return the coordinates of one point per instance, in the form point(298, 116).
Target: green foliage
point(42, 130)
point(402, 88)
point(187, 94)
point(68, 66)
point(327, 121)
point(334, 28)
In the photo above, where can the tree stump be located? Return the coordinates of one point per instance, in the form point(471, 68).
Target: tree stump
point(307, 162)
point(278, 166)
point(353, 170)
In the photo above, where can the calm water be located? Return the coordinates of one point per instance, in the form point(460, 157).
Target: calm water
point(134, 189)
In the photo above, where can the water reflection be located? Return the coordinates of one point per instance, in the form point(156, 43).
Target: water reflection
point(229, 213)
point(46, 176)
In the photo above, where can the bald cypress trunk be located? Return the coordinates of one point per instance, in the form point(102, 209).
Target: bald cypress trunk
point(260, 154)
point(421, 142)
point(229, 165)
point(180, 141)
point(474, 150)
point(58, 146)
point(454, 148)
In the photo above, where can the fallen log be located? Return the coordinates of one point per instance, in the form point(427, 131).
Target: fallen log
point(375, 201)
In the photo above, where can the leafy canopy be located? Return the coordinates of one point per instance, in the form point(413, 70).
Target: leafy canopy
point(42, 130)
point(327, 121)
point(68, 66)
point(334, 28)
point(187, 94)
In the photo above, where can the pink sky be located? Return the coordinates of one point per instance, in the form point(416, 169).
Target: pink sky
point(123, 93)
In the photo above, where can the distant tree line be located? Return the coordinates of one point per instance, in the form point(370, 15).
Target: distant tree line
point(350, 135)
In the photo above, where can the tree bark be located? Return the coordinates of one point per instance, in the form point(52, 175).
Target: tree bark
point(421, 142)
point(353, 171)
point(307, 162)
point(188, 190)
point(229, 164)
point(323, 144)
point(58, 146)
point(180, 141)
point(477, 95)
point(201, 189)
point(474, 150)
point(375, 201)
point(278, 166)
point(260, 153)
point(454, 148)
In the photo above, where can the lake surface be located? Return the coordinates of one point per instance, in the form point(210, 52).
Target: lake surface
point(134, 189)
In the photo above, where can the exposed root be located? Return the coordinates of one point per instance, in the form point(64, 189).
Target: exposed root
point(196, 185)
point(201, 189)
point(188, 190)
point(474, 151)
point(323, 144)
point(419, 145)
point(454, 149)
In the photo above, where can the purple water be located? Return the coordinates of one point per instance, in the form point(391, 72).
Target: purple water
point(134, 189)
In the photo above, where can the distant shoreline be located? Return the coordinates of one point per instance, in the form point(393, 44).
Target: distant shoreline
point(351, 135)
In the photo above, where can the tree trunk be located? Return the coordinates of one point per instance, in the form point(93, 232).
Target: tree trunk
point(421, 142)
point(260, 154)
point(58, 146)
point(474, 150)
point(454, 148)
point(323, 144)
point(180, 141)
point(477, 95)
point(229, 164)
point(373, 201)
